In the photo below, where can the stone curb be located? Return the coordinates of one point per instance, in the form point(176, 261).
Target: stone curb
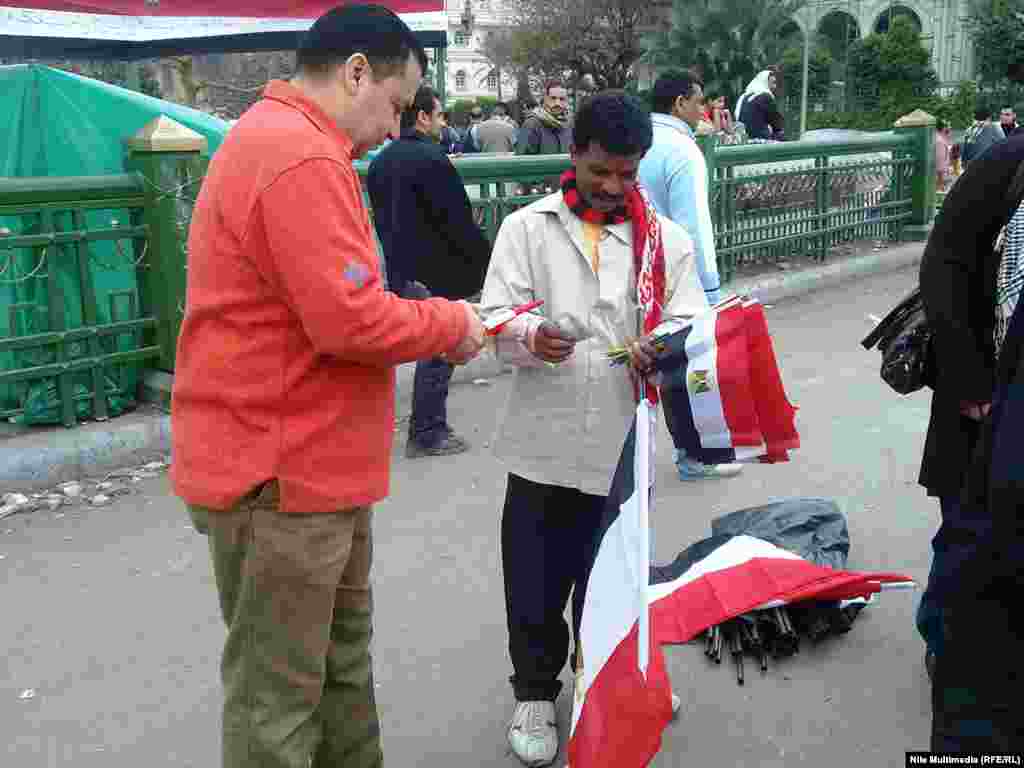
point(36, 460)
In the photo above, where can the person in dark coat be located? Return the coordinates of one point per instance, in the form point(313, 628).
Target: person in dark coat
point(432, 247)
point(976, 695)
point(958, 288)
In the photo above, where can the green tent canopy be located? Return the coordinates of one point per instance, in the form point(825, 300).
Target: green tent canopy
point(61, 124)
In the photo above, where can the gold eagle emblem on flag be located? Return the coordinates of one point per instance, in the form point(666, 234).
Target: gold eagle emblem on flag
point(700, 382)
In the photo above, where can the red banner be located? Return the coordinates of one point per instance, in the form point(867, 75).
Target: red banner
point(274, 9)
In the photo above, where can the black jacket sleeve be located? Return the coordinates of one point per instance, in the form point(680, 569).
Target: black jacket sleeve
point(444, 197)
point(958, 274)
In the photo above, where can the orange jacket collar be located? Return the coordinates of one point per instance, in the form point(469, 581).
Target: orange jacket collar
point(286, 93)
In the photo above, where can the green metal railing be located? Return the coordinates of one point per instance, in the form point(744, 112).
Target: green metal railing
point(772, 202)
point(74, 331)
point(769, 202)
point(93, 269)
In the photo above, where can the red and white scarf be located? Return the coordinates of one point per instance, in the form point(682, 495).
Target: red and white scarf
point(648, 252)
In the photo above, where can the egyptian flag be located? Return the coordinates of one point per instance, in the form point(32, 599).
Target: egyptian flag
point(622, 699)
point(725, 576)
point(724, 393)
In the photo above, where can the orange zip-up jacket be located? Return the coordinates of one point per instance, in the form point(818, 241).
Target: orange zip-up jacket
point(285, 362)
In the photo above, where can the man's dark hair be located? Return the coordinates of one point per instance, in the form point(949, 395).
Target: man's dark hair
point(982, 113)
point(670, 86)
point(940, 125)
point(499, 109)
point(616, 121)
point(423, 101)
point(371, 30)
point(552, 84)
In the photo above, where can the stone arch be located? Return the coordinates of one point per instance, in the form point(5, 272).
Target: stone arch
point(837, 29)
point(892, 10)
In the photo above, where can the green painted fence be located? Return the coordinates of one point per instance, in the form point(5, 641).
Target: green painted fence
point(769, 202)
point(93, 269)
point(73, 330)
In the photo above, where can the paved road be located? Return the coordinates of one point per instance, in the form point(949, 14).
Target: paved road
point(110, 614)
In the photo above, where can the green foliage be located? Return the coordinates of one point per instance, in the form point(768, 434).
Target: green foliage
point(957, 110)
point(728, 41)
point(819, 70)
point(997, 29)
point(891, 66)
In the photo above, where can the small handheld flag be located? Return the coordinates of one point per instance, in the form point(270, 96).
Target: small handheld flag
point(502, 317)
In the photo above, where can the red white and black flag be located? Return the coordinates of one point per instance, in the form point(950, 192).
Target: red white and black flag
point(728, 402)
point(725, 576)
point(622, 698)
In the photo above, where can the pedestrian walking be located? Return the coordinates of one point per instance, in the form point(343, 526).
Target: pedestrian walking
point(497, 134)
point(561, 435)
point(675, 175)
point(980, 136)
point(432, 247)
point(546, 131)
point(283, 402)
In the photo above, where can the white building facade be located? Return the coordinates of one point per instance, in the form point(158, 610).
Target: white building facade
point(943, 26)
point(469, 75)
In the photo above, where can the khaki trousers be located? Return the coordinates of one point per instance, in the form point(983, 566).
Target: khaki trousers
point(295, 595)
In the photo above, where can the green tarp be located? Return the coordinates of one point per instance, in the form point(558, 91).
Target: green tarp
point(56, 123)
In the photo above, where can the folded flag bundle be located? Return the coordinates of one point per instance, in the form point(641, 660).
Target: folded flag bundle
point(724, 397)
point(626, 611)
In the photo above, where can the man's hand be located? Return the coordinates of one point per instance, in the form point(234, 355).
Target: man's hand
point(974, 411)
point(642, 353)
point(472, 342)
point(551, 344)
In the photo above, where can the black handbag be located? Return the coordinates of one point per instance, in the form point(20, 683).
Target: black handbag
point(903, 336)
point(905, 341)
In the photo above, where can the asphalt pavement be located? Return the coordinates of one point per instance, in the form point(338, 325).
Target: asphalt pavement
point(111, 635)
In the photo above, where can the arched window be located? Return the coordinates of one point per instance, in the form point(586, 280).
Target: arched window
point(492, 81)
point(460, 80)
point(887, 16)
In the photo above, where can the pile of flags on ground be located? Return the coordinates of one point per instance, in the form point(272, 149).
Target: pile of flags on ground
point(734, 408)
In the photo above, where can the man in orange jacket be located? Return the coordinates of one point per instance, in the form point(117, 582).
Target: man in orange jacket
point(283, 405)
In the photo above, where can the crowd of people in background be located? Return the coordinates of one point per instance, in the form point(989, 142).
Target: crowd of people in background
point(952, 157)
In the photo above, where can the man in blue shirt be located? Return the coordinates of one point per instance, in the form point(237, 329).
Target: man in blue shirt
point(675, 176)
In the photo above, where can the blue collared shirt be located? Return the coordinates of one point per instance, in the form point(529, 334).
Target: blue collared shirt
point(675, 176)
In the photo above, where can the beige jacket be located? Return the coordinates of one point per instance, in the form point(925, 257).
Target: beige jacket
point(564, 424)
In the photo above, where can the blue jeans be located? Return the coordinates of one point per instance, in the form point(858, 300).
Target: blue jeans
point(428, 425)
point(959, 534)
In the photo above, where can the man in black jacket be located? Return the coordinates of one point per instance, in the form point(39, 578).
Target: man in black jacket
point(432, 247)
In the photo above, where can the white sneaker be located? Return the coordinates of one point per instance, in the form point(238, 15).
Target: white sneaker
point(532, 733)
point(694, 470)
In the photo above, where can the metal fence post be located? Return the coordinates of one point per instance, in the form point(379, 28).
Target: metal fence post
point(168, 156)
point(709, 146)
point(919, 127)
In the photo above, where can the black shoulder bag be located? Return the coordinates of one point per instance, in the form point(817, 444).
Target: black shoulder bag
point(904, 337)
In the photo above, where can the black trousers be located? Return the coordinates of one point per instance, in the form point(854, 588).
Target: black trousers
point(976, 695)
point(546, 531)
